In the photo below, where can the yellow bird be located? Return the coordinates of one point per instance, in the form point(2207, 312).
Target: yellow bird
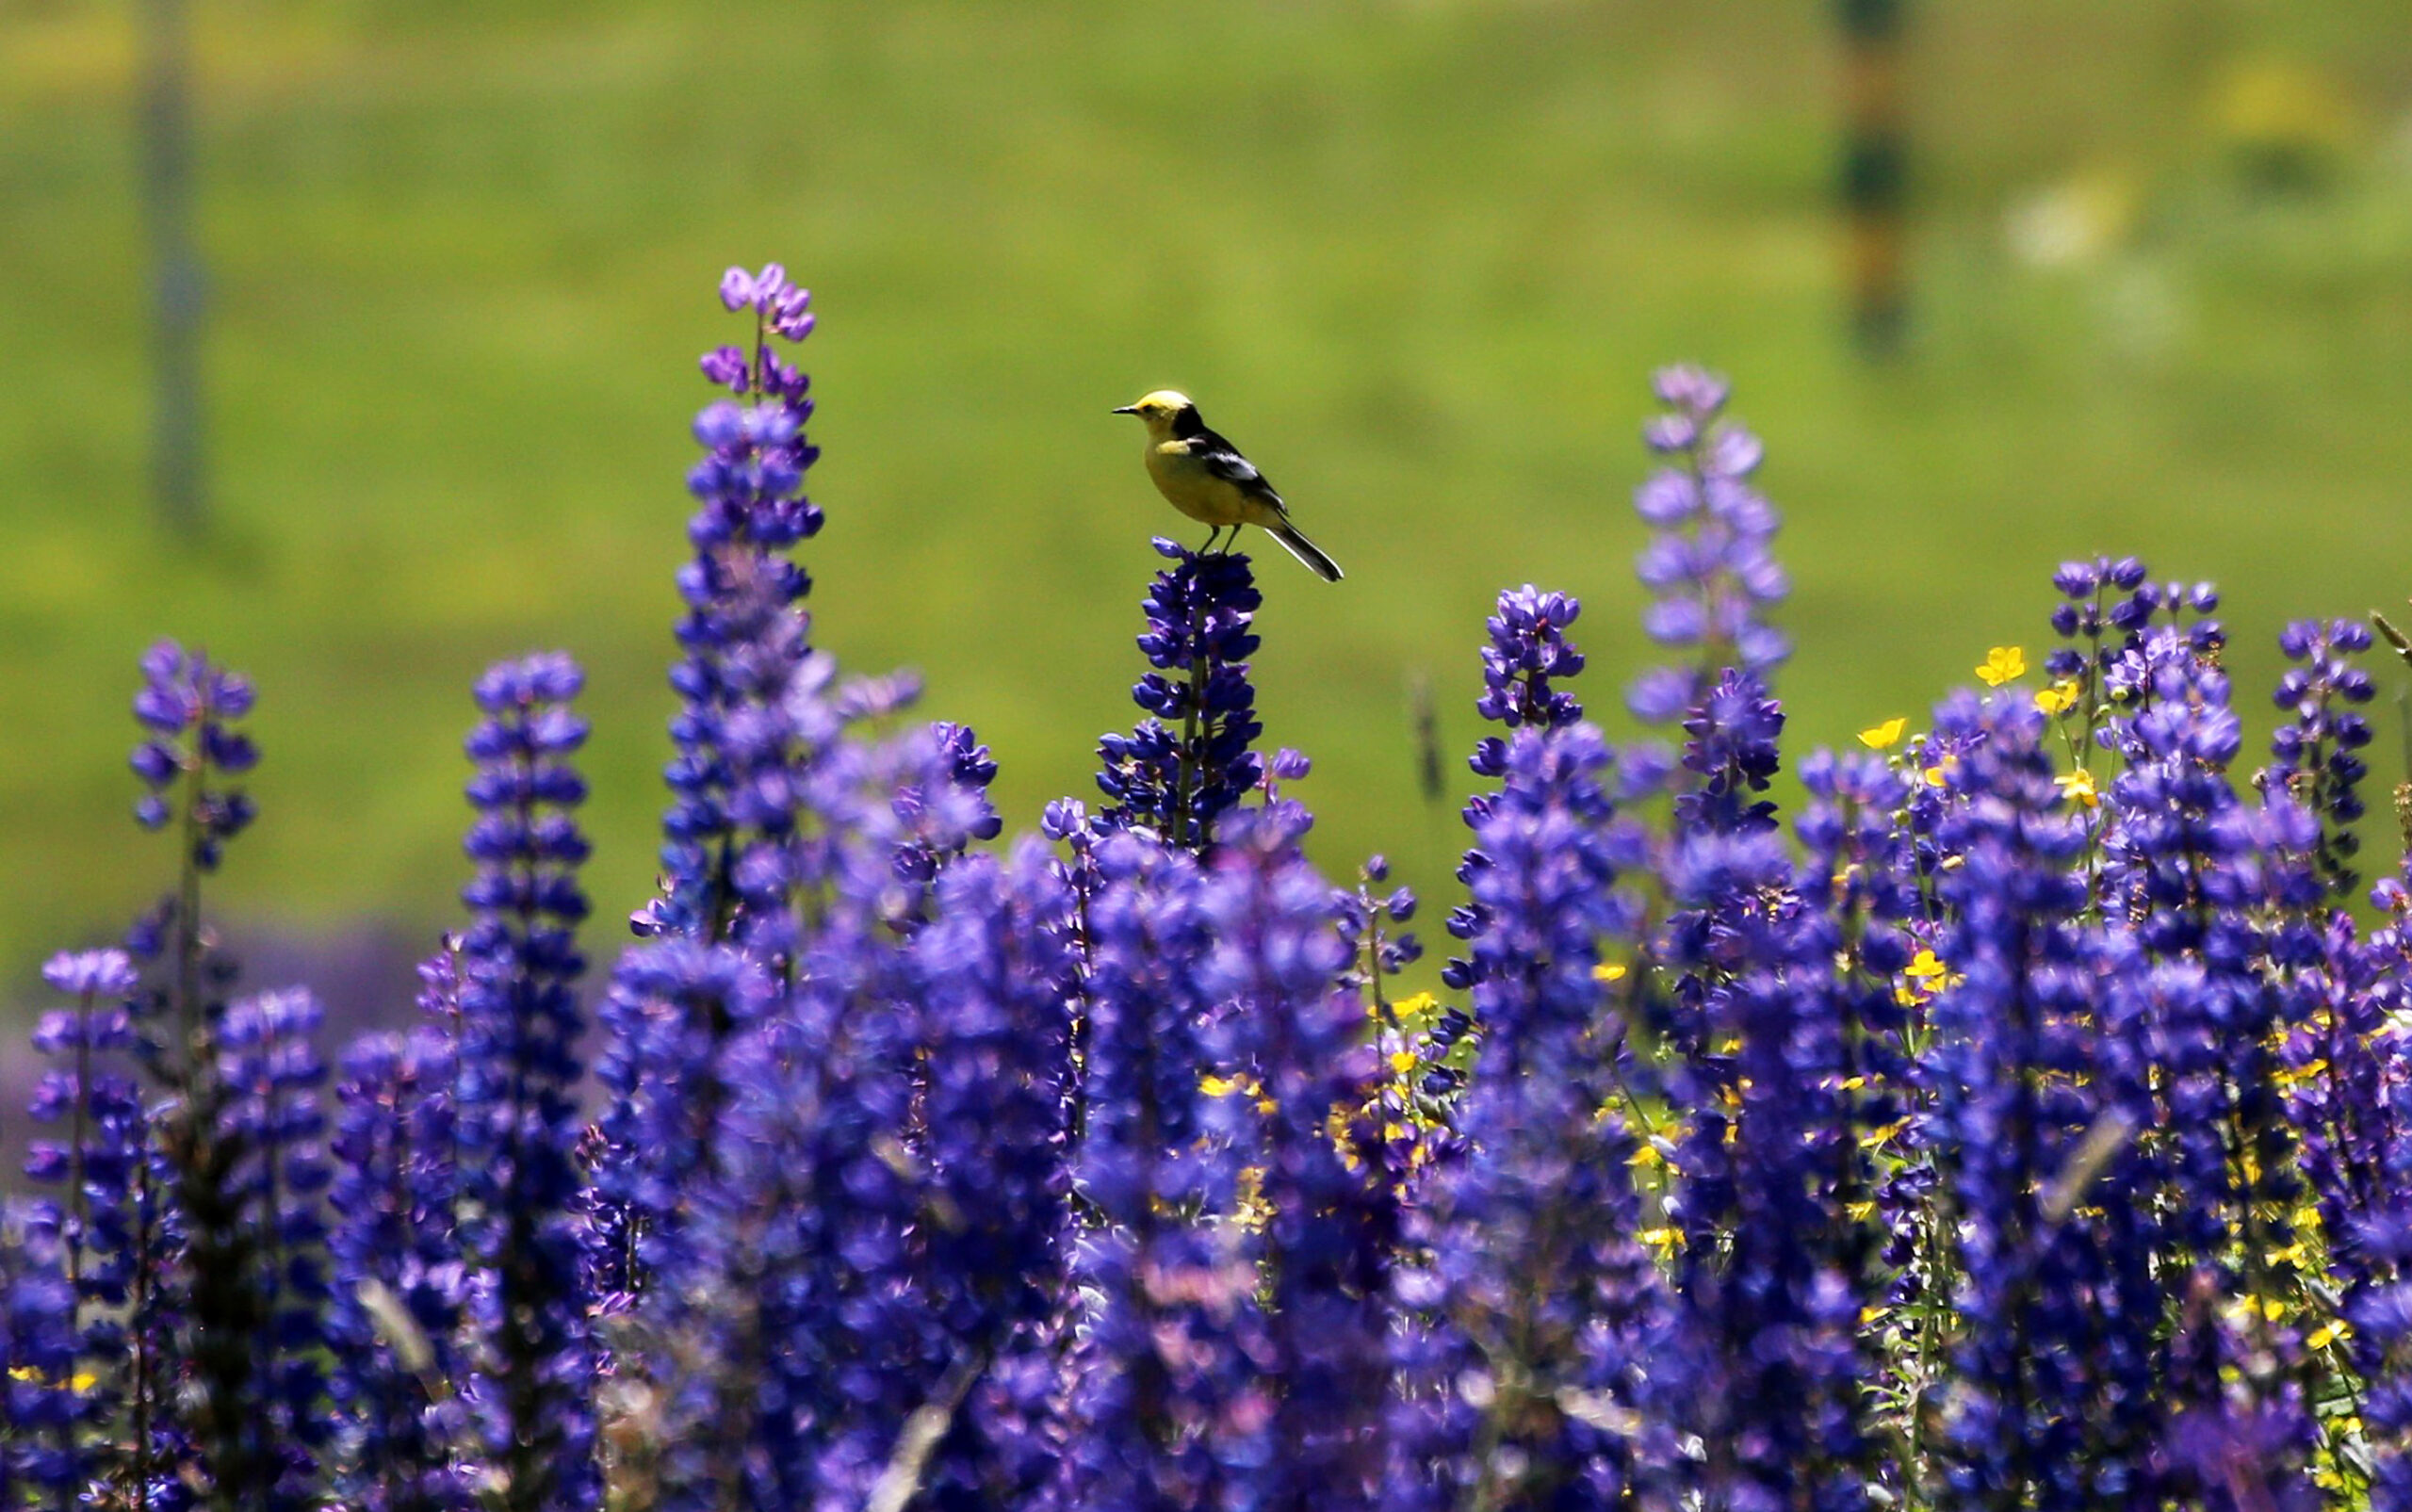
point(1208, 480)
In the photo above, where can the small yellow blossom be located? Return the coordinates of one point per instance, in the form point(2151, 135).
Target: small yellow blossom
point(2058, 698)
point(2078, 786)
point(1403, 1062)
point(1252, 1210)
point(1879, 1138)
point(1660, 1239)
point(1926, 975)
point(2002, 664)
point(1939, 773)
point(1607, 972)
point(1877, 738)
point(2326, 1334)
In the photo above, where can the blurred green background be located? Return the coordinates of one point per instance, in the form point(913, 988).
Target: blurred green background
point(1418, 257)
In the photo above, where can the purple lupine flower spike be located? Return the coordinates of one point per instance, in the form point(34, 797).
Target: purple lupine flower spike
point(1332, 1218)
point(731, 833)
point(1157, 1428)
point(1529, 651)
point(517, 1126)
point(2315, 748)
point(400, 1285)
point(1709, 564)
point(1538, 1222)
point(1190, 759)
point(271, 1072)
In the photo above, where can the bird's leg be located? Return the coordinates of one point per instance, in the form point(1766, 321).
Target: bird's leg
point(1209, 540)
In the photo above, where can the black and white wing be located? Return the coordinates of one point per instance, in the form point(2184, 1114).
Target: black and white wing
point(1223, 460)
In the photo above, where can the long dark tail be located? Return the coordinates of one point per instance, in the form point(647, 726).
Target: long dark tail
point(1306, 551)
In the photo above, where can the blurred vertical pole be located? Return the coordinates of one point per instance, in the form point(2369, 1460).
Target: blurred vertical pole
point(1875, 171)
point(177, 483)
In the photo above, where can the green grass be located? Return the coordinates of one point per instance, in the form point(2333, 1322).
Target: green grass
point(1418, 257)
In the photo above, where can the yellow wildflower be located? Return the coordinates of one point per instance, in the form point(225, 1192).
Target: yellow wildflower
point(1607, 972)
point(2079, 788)
point(1403, 1062)
point(1939, 773)
point(2002, 664)
point(2058, 698)
point(1876, 738)
point(1926, 966)
point(1879, 1138)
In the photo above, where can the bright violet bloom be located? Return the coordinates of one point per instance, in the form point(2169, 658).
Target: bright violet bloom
point(515, 1124)
point(1190, 759)
point(1710, 564)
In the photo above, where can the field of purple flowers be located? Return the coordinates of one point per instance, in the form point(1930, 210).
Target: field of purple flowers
point(2024, 1123)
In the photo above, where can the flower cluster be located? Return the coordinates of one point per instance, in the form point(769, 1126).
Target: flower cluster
point(2020, 1123)
point(2313, 751)
point(1190, 760)
point(1710, 564)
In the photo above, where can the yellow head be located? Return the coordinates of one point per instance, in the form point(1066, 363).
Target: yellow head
point(1162, 411)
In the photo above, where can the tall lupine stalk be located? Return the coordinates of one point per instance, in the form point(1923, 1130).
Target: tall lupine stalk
point(672, 1006)
point(95, 1104)
point(1526, 650)
point(2195, 872)
point(2105, 606)
point(994, 1005)
point(1189, 760)
point(2313, 749)
point(1861, 905)
point(189, 705)
point(787, 1138)
point(745, 856)
point(1531, 1303)
point(1710, 564)
point(2047, 1385)
point(394, 1328)
point(1165, 1412)
point(1371, 926)
point(42, 1464)
point(518, 1123)
point(2354, 1103)
point(729, 855)
point(1774, 1278)
point(271, 1072)
point(1329, 1208)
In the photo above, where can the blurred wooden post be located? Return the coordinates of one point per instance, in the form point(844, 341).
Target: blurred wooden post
point(179, 488)
point(1875, 171)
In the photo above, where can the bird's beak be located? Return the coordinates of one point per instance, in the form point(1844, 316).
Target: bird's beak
point(1128, 409)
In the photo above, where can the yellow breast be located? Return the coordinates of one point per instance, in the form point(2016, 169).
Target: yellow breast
point(1198, 494)
point(1192, 489)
